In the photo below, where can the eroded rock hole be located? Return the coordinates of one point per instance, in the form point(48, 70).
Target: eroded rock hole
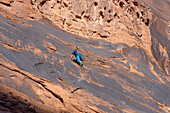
point(121, 4)
point(77, 16)
point(135, 3)
point(104, 8)
point(95, 3)
point(86, 16)
point(137, 14)
point(139, 35)
point(142, 13)
point(109, 20)
point(32, 2)
point(43, 2)
point(127, 1)
point(101, 14)
point(109, 11)
point(82, 12)
point(130, 9)
point(65, 4)
point(115, 15)
point(147, 22)
point(142, 19)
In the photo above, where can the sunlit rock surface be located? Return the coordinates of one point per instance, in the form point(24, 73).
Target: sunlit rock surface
point(125, 45)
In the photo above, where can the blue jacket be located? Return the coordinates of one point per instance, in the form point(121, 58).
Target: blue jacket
point(75, 52)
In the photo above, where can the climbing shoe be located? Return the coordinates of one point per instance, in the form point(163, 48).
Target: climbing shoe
point(81, 64)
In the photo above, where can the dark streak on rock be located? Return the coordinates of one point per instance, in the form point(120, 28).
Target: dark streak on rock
point(52, 72)
point(103, 36)
point(93, 110)
point(113, 57)
point(102, 62)
point(76, 89)
point(38, 64)
point(51, 49)
point(55, 95)
point(9, 5)
point(77, 108)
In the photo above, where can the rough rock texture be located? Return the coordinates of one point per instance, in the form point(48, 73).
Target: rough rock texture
point(105, 19)
point(125, 48)
point(160, 31)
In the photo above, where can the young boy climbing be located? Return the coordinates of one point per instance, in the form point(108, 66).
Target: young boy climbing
point(77, 54)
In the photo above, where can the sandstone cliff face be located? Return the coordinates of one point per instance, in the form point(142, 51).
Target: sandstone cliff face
point(102, 19)
point(125, 49)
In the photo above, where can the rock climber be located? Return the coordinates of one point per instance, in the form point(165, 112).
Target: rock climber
point(77, 54)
